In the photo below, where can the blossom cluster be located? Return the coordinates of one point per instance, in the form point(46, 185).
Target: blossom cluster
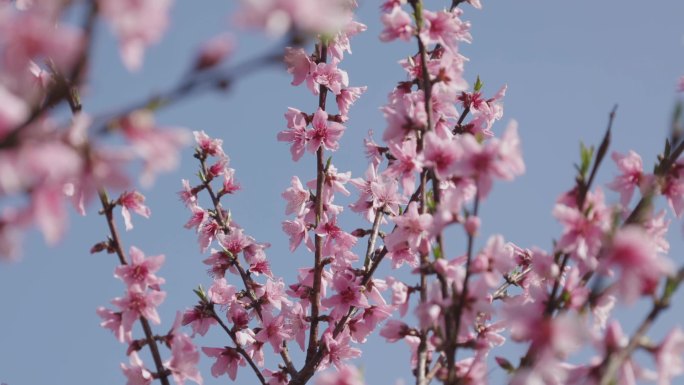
point(440, 154)
point(439, 163)
point(139, 304)
point(44, 160)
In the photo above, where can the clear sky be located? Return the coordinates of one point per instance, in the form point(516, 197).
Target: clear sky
point(566, 64)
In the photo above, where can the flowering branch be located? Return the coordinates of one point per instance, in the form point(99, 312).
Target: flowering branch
point(115, 242)
point(613, 361)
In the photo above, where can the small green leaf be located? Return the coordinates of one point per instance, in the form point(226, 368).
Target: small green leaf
point(430, 201)
point(670, 287)
point(586, 154)
point(478, 84)
point(437, 252)
point(200, 293)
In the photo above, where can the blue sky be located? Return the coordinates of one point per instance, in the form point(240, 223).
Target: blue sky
point(566, 64)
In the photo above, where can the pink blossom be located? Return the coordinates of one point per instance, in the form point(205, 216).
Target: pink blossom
point(199, 318)
point(295, 318)
point(256, 352)
point(347, 375)
point(369, 320)
point(583, 230)
point(446, 28)
point(372, 150)
point(207, 231)
point(136, 373)
point(385, 196)
point(140, 270)
point(407, 162)
point(220, 261)
point(341, 42)
point(394, 330)
point(139, 303)
point(400, 252)
point(368, 202)
point(49, 212)
point(296, 133)
point(346, 98)
point(400, 295)
point(279, 377)
point(157, 147)
point(235, 242)
point(333, 182)
point(324, 133)
point(656, 228)
point(197, 219)
point(404, 114)
point(411, 227)
point(296, 197)
point(397, 25)
point(338, 350)
point(673, 189)
point(472, 225)
point(132, 200)
point(217, 169)
point(188, 196)
point(631, 176)
point(641, 268)
point(335, 239)
point(260, 265)
point(209, 146)
point(227, 361)
point(33, 35)
point(495, 260)
point(485, 113)
point(297, 231)
point(13, 110)
point(113, 321)
point(669, 356)
point(298, 64)
point(276, 17)
point(441, 154)
point(326, 75)
point(214, 51)
point(349, 293)
point(272, 295)
point(500, 159)
point(184, 360)
point(388, 5)
point(451, 205)
point(137, 25)
point(273, 331)
point(221, 292)
point(229, 185)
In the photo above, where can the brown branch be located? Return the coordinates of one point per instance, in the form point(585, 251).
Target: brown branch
point(108, 212)
point(239, 348)
point(247, 281)
point(318, 239)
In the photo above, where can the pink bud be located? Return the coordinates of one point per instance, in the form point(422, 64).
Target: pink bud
point(214, 51)
point(472, 225)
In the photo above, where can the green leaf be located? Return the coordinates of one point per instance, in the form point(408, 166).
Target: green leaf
point(430, 201)
point(586, 154)
point(478, 84)
point(437, 252)
point(200, 293)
